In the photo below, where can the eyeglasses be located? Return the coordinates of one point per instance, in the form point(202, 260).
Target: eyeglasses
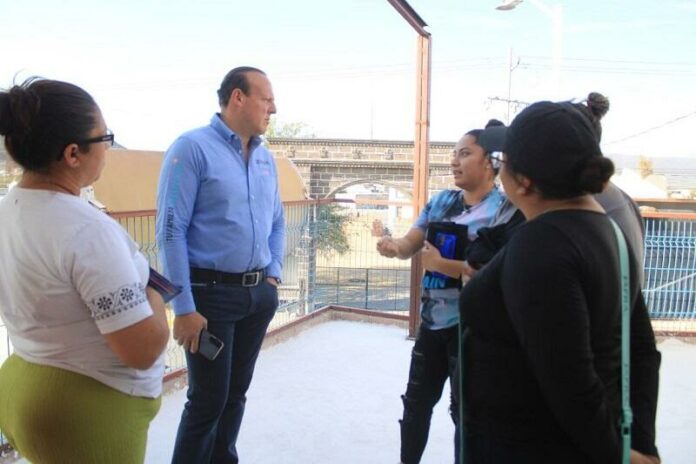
point(106, 138)
point(496, 158)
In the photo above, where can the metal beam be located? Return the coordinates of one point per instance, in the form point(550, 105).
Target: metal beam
point(410, 15)
point(422, 142)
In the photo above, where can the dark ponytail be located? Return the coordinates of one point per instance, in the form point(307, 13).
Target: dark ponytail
point(40, 117)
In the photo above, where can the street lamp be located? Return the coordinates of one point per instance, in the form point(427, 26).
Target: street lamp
point(508, 5)
point(555, 15)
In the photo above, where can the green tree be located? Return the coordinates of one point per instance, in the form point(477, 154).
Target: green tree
point(289, 130)
point(331, 234)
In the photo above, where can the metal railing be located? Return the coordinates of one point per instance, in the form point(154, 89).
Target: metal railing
point(670, 265)
point(380, 289)
point(317, 274)
point(330, 258)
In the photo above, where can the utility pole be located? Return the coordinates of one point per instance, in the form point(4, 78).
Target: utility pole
point(510, 69)
point(511, 103)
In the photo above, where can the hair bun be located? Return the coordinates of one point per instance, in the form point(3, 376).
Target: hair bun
point(41, 117)
point(18, 108)
point(598, 104)
point(494, 123)
point(595, 174)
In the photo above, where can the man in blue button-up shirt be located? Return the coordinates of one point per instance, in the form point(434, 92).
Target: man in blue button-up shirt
point(220, 229)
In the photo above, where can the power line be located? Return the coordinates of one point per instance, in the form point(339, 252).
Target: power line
point(610, 66)
point(600, 60)
point(616, 70)
point(518, 103)
point(671, 121)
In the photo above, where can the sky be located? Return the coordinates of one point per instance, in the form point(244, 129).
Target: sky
point(347, 68)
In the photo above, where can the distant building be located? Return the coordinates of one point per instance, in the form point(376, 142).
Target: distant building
point(129, 180)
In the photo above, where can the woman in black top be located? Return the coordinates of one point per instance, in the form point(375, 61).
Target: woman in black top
point(542, 345)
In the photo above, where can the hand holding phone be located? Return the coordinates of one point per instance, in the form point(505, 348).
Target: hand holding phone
point(209, 346)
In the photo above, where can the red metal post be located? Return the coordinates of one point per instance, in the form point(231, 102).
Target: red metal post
point(421, 169)
point(422, 143)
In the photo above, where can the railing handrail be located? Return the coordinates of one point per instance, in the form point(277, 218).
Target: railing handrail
point(132, 214)
point(677, 201)
point(326, 201)
point(306, 202)
point(668, 215)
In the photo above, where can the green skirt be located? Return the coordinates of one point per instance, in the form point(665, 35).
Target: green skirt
point(55, 416)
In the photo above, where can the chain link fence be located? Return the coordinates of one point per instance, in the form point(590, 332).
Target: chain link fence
point(330, 259)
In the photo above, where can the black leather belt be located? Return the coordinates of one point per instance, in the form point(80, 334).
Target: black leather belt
point(210, 276)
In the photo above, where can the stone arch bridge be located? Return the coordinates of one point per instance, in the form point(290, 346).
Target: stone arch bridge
point(330, 165)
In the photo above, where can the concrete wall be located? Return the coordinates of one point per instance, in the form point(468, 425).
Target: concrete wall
point(129, 180)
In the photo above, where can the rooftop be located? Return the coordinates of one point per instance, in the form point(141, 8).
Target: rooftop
point(331, 394)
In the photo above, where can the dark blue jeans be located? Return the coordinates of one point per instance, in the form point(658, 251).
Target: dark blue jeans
point(433, 360)
point(212, 416)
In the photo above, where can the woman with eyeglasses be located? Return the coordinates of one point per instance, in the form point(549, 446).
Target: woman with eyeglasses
point(542, 342)
point(85, 377)
point(451, 218)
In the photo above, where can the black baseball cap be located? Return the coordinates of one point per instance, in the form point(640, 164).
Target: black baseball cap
point(545, 141)
point(492, 139)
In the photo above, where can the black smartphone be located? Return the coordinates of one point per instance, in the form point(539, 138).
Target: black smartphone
point(209, 346)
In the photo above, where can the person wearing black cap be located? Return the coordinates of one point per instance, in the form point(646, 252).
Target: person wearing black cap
point(541, 347)
point(617, 204)
point(465, 210)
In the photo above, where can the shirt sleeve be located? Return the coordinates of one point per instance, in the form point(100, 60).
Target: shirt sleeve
point(549, 313)
point(176, 198)
point(276, 240)
point(101, 261)
point(422, 220)
point(645, 366)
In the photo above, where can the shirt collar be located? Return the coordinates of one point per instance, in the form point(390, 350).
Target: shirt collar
point(457, 206)
point(228, 134)
point(493, 191)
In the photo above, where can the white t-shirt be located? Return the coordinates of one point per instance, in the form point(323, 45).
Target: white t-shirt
point(68, 274)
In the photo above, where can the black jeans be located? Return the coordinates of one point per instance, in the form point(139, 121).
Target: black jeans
point(212, 416)
point(433, 360)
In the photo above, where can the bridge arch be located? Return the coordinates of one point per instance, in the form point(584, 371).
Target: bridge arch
point(393, 185)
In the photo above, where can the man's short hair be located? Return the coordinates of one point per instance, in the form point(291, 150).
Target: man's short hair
point(235, 79)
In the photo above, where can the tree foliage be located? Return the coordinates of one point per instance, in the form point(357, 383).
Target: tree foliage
point(331, 234)
point(289, 130)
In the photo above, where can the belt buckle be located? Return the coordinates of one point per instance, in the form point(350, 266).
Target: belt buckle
point(251, 279)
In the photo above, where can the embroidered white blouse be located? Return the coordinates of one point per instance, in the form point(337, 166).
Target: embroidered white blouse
point(69, 274)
